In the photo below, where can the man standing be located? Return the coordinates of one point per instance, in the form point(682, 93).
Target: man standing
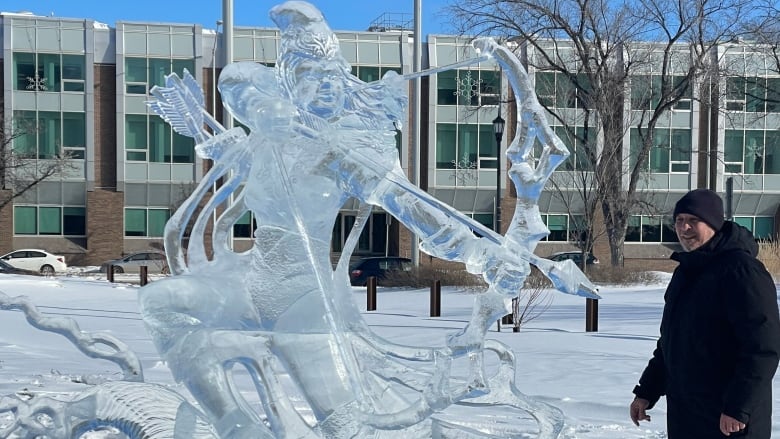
point(720, 331)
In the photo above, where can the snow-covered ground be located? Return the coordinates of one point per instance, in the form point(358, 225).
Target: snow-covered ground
point(587, 375)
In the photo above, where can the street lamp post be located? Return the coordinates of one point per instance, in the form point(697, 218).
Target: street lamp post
point(498, 130)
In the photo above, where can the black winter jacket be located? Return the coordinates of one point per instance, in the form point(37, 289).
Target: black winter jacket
point(720, 340)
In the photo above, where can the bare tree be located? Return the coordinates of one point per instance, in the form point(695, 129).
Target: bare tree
point(603, 51)
point(22, 170)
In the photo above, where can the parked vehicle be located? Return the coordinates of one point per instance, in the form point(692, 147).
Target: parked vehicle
point(36, 260)
point(575, 256)
point(6, 268)
point(379, 267)
point(153, 260)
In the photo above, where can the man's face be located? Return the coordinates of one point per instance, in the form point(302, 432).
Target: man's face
point(692, 231)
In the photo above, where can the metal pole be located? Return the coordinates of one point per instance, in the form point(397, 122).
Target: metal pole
point(227, 28)
point(415, 123)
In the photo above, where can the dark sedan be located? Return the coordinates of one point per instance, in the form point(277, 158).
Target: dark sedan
point(379, 267)
point(6, 268)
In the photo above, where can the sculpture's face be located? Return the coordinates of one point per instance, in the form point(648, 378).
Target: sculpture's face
point(319, 86)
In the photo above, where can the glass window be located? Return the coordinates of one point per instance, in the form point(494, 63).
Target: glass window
point(557, 224)
point(159, 140)
point(135, 136)
point(135, 75)
point(25, 220)
point(74, 221)
point(368, 74)
point(49, 70)
point(446, 145)
point(651, 229)
point(49, 132)
point(73, 73)
point(634, 229)
point(24, 71)
point(659, 152)
point(158, 69)
point(74, 134)
point(447, 88)
point(732, 150)
point(765, 226)
point(50, 220)
point(545, 88)
point(773, 95)
point(157, 220)
point(488, 152)
point(135, 222)
point(25, 144)
point(243, 227)
point(681, 150)
point(754, 152)
point(755, 95)
point(772, 148)
point(467, 144)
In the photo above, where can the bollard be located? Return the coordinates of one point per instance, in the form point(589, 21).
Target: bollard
point(110, 273)
point(144, 275)
point(436, 299)
point(371, 294)
point(591, 315)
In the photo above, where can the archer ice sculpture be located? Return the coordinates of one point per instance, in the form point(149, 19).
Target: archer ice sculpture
point(319, 135)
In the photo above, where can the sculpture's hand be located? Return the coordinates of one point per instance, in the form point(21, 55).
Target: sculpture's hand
point(502, 269)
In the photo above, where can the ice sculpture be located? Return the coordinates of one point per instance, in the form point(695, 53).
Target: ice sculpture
point(318, 136)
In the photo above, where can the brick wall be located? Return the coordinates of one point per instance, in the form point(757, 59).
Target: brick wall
point(105, 229)
point(6, 224)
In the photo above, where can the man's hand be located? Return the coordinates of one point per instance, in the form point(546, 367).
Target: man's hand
point(638, 408)
point(730, 425)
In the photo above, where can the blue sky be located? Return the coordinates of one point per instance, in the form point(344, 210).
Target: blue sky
point(341, 14)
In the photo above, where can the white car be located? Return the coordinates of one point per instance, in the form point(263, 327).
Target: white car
point(154, 261)
point(36, 260)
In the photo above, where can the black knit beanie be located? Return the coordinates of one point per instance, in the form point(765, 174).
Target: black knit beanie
point(704, 204)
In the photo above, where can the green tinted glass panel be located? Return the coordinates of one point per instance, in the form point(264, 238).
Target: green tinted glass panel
point(159, 140)
point(446, 88)
point(135, 222)
point(467, 144)
point(74, 130)
point(764, 227)
point(158, 69)
point(135, 131)
point(49, 71)
point(368, 74)
point(732, 151)
point(157, 220)
point(50, 220)
point(49, 134)
point(25, 220)
point(24, 129)
point(446, 145)
point(24, 71)
point(744, 221)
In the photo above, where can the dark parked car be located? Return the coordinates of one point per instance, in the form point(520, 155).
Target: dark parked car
point(6, 268)
point(379, 267)
point(575, 256)
point(154, 261)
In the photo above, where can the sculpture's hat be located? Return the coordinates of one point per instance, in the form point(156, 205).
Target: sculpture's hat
point(304, 31)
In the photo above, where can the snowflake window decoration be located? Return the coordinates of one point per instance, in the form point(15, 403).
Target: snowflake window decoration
point(468, 87)
point(36, 83)
point(465, 171)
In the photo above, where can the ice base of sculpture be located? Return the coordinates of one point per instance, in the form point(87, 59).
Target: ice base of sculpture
point(316, 136)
